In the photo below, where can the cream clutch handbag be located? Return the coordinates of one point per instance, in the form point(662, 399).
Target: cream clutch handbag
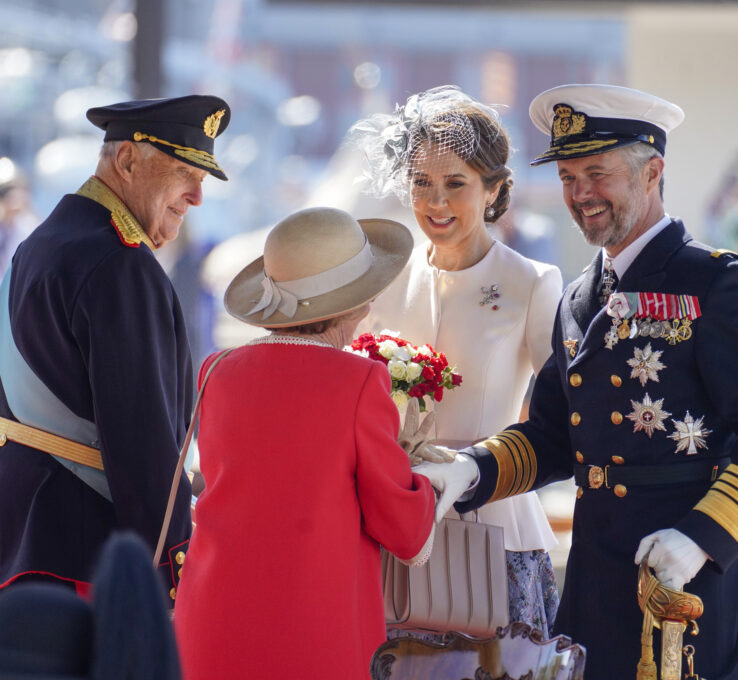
point(462, 587)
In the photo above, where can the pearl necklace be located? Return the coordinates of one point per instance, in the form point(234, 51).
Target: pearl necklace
point(288, 340)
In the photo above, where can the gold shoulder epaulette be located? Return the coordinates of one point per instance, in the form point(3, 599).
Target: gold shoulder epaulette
point(723, 251)
point(129, 231)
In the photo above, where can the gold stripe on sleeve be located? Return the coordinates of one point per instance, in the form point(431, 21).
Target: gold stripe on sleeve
point(516, 463)
point(721, 501)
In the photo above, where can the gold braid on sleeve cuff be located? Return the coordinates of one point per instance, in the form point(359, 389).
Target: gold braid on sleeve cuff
point(516, 461)
point(720, 503)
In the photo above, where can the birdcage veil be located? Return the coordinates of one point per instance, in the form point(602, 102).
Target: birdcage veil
point(421, 133)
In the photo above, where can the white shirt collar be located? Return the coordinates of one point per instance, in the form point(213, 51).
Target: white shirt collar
point(624, 258)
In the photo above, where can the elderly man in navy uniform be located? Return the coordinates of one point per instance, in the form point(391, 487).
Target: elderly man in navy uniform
point(639, 400)
point(95, 369)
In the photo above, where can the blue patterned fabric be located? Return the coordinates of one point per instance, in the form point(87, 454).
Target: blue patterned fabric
point(532, 591)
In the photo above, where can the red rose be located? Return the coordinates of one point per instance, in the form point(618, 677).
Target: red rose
point(455, 379)
point(416, 391)
point(428, 373)
point(438, 394)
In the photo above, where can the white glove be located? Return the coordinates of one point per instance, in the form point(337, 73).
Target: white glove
point(675, 558)
point(451, 479)
point(414, 439)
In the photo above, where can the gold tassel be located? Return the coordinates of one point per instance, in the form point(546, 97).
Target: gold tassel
point(647, 666)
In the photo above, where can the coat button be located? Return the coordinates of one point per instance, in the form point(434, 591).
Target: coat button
point(179, 573)
point(620, 490)
point(179, 557)
point(575, 380)
point(580, 458)
point(618, 460)
point(575, 419)
point(580, 492)
point(616, 417)
point(3, 438)
point(616, 380)
point(173, 593)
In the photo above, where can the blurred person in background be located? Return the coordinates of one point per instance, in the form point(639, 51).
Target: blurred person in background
point(488, 308)
point(304, 478)
point(639, 401)
point(48, 632)
point(17, 219)
point(95, 369)
point(722, 211)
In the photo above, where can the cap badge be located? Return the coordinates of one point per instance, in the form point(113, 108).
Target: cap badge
point(212, 123)
point(567, 121)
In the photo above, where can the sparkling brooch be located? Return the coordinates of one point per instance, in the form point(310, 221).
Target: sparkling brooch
point(489, 295)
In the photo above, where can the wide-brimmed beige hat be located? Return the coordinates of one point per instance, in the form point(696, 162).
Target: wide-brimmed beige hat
point(318, 263)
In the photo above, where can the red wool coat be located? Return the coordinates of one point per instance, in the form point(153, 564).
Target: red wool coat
point(304, 480)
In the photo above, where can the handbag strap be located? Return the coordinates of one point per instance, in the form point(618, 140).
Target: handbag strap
point(181, 461)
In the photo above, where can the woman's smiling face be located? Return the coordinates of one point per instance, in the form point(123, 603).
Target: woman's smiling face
point(448, 196)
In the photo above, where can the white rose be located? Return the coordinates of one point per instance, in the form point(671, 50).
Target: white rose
point(397, 369)
point(413, 371)
point(387, 331)
point(402, 354)
point(387, 348)
point(401, 399)
point(427, 351)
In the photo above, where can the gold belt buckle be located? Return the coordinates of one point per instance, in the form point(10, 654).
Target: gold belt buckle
point(597, 476)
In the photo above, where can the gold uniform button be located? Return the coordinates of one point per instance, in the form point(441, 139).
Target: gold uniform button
point(580, 492)
point(616, 380)
point(620, 490)
point(579, 457)
point(3, 438)
point(575, 419)
point(575, 380)
point(173, 593)
point(179, 557)
point(616, 417)
point(618, 460)
point(179, 573)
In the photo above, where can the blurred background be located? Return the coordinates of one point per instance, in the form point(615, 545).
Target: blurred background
point(299, 73)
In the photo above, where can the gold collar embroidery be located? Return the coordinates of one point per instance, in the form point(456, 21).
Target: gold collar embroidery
point(127, 226)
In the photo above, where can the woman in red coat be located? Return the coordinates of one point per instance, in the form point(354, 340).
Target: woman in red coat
point(304, 477)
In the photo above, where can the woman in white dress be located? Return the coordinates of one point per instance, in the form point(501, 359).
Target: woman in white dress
point(488, 308)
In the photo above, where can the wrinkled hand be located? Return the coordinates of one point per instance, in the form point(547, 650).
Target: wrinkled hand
point(452, 480)
point(414, 439)
point(674, 557)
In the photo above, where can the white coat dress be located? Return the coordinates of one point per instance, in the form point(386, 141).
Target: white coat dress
point(495, 350)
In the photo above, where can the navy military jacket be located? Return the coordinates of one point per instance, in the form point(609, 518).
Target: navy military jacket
point(97, 320)
point(603, 404)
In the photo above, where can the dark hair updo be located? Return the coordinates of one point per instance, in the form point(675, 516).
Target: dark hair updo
point(478, 138)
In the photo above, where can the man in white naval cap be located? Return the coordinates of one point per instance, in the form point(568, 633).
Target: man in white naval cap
point(639, 400)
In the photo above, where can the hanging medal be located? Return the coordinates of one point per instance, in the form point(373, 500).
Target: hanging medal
point(620, 306)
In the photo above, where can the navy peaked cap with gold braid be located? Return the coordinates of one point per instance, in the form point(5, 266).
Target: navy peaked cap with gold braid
point(585, 120)
point(182, 127)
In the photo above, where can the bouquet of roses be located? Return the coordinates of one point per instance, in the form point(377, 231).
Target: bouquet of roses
point(417, 372)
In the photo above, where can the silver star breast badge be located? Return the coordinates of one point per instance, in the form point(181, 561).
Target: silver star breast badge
point(689, 434)
point(648, 415)
point(645, 364)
